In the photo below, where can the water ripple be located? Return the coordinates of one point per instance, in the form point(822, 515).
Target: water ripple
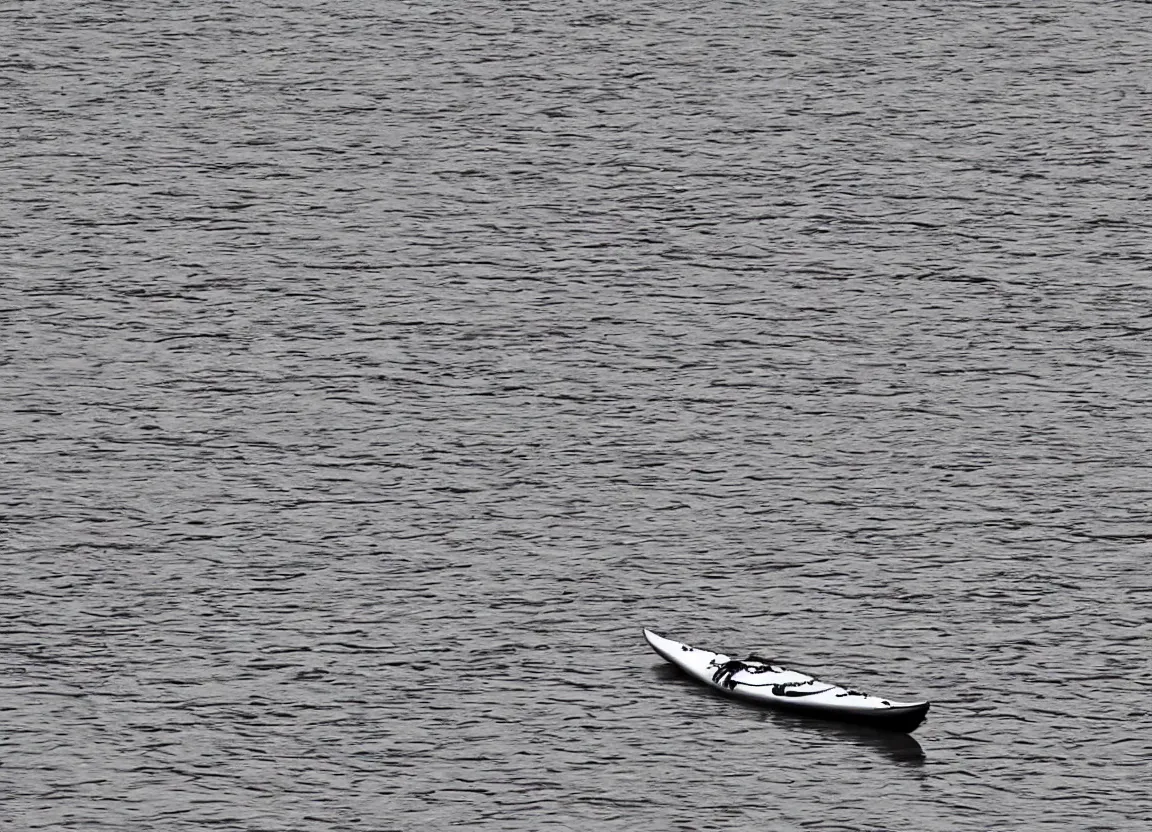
point(372, 374)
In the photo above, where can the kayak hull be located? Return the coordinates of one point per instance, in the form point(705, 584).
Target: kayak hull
point(763, 683)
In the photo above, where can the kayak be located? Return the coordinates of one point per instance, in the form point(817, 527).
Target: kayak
point(765, 683)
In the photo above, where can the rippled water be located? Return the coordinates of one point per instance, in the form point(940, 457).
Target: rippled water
point(371, 373)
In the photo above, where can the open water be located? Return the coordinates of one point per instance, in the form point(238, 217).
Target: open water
point(372, 372)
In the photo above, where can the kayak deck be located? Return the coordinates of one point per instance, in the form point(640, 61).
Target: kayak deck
point(757, 680)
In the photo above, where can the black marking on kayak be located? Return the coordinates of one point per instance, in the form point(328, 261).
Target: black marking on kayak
point(785, 688)
point(760, 666)
point(723, 676)
point(725, 672)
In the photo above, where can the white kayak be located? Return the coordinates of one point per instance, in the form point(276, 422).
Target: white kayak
point(764, 683)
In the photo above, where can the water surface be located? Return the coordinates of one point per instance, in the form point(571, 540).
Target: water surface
point(371, 373)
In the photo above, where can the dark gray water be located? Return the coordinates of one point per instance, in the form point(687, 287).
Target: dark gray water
point(371, 373)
